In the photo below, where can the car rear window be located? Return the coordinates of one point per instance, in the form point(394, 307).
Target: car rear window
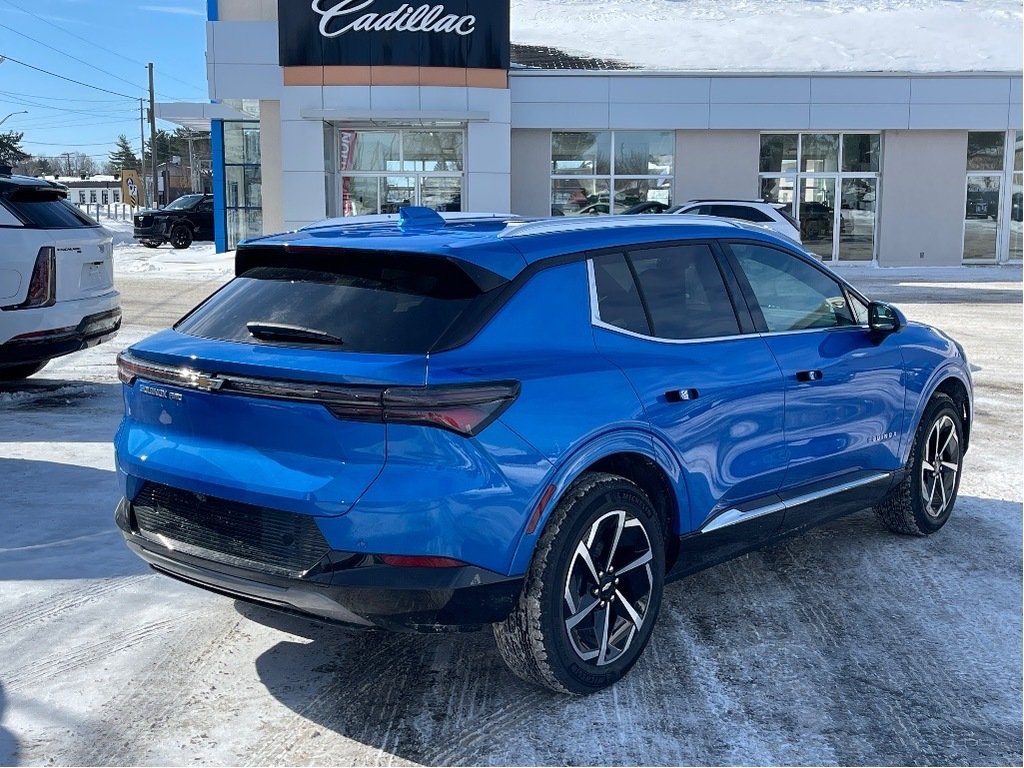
point(45, 208)
point(784, 210)
point(391, 303)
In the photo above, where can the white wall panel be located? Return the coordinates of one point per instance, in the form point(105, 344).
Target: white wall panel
point(245, 42)
point(659, 116)
point(559, 89)
point(860, 90)
point(859, 116)
point(496, 102)
point(959, 90)
point(489, 147)
point(351, 96)
point(302, 144)
point(992, 117)
point(488, 192)
point(452, 99)
point(760, 90)
point(763, 116)
point(572, 115)
point(649, 90)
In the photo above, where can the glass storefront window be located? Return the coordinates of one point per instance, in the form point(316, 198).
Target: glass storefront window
point(243, 191)
point(819, 152)
point(985, 150)
point(370, 151)
point(817, 212)
point(383, 171)
point(861, 152)
point(857, 219)
point(1016, 201)
point(581, 154)
point(807, 172)
point(981, 225)
point(778, 152)
point(597, 173)
point(644, 153)
point(427, 151)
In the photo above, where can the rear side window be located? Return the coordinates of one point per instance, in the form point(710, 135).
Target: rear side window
point(618, 299)
point(685, 292)
point(392, 303)
point(44, 208)
point(741, 212)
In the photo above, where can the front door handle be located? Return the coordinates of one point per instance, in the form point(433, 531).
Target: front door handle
point(809, 375)
point(681, 395)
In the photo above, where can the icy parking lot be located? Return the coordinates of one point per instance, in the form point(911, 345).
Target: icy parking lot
point(848, 645)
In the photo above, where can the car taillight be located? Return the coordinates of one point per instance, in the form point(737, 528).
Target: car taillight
point(466, 409)
point(42, 288)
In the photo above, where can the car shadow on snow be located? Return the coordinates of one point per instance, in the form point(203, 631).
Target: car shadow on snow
point(58, 523)
point(8, 743)
point(809, 651)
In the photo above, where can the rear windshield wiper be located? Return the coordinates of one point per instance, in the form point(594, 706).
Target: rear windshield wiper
point(282, 332)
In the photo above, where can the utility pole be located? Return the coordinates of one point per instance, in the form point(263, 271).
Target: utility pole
point(152, 136)
point(191, 165)
point(142, 153)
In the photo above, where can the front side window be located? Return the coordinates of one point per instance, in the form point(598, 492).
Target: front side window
point(792, 294)
point(600, 172)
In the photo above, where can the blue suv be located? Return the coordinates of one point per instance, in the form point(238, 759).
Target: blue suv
point(430, 424)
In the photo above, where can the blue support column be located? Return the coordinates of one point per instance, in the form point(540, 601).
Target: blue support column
point(211, 10)
point(220, 219)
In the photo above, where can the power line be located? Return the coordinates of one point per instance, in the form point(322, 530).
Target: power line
point(97, 45)
point(65, 53)
point(56, 98)
point(5, 57)
point(61, 144)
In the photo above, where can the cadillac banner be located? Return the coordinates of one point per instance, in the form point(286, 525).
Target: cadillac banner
point(453, 33)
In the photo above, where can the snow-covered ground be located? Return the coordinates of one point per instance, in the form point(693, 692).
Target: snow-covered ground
point(782, 35)
point(198, 262)
point(848, 645)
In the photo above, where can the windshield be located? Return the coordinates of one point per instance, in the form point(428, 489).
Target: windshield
point(184, 203)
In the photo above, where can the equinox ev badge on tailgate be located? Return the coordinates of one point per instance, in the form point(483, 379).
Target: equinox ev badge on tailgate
point(160, 392)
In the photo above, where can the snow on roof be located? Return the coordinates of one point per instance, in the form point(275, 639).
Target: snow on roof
point(780, 35)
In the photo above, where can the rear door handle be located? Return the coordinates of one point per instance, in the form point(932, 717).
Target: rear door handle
point(681, 395)
point(809, 375)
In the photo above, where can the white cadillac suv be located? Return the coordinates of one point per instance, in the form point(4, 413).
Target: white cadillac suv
point(56, 277)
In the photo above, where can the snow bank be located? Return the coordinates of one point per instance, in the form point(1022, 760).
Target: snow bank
point(782, 35)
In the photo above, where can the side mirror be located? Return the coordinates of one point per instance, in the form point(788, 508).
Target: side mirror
point(884, 318)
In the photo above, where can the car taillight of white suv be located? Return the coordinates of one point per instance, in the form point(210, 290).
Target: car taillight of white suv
point(57, 291)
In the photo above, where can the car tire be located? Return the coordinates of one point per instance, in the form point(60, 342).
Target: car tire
point(181, 237)
point(18, 372)
point(922, 502)
point(578, 627)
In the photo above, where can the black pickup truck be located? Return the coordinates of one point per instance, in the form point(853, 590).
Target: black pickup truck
point(186, 219)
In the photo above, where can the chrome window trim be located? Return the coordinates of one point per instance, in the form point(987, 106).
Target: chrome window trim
point(597, 322)
point(732, 516)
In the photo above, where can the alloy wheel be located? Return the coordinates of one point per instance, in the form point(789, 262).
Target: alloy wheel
point(940, 466)
point(608, 588)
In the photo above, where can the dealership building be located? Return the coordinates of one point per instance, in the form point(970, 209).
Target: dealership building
point(323, 108)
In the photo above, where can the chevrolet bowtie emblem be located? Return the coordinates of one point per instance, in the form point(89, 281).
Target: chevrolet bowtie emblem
point(202, 381)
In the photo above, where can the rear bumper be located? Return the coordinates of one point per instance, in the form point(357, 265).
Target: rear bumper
point(37, 346)
point(345, 588)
